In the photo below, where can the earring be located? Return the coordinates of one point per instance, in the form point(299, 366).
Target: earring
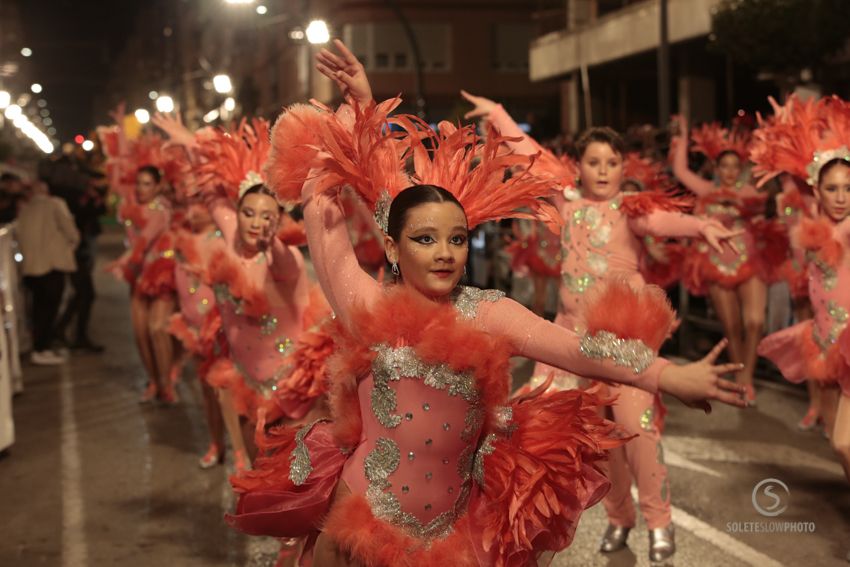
point(464, 270)
point(394, 269)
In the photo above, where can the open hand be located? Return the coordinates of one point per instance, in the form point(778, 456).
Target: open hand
point(347, 72)
point(483, 106)
point(173, 126)
point(696, 383)
point(714, 232)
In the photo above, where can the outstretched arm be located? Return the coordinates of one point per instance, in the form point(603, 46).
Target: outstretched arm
point(679, 158)
point(538, 339)
point(667, 224)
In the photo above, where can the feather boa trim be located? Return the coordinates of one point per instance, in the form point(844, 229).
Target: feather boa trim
point(224, 269)
point(646, 202)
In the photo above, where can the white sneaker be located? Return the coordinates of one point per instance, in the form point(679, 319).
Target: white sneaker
point(62, 353)
point(45, 358)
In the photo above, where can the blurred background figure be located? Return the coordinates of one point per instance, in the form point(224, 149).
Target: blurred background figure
point(47, 236)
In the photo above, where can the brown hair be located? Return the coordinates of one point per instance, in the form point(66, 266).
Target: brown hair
point(603, 135)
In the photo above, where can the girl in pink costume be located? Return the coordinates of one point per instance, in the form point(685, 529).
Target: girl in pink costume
point(536, 254)
point(810, 142)
point(601, 239)
point(145, 266)
point(198, 322)
point(432, 454)
point(735, 279)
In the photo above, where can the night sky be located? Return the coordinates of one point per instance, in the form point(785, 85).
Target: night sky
point(73, 42)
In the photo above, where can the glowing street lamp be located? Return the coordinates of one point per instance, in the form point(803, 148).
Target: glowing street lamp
point(36, 88)
point(5, 99)
point(165, 103)
point(222, 84)
point(317, 32)
point(88, 145)
point(26, 51)
point(229, 104)
point(142, 115)
point(262, 10)
point(12, 111)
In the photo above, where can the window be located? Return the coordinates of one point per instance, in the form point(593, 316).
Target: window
point(384, 46)
point(510, 47)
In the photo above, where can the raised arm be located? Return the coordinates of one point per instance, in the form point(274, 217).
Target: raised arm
point(679, 159)
point(339, 273)
point(224, 217)
point(287, 261)
point(538, 339)
point(495, 113)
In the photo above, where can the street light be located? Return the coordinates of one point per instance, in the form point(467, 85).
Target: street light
point(317, 32)
point(153, 95)
point(143, 116)
point(229, 104)
point(211, 116)
point(36, 88)
point(12, 111)
point(262, 10)
point(222, 84)
point(165, 103)
point(26, 51)
point(5, 99)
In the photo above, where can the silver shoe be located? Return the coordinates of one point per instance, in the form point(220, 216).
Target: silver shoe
point(662, 543)
point(614, 538)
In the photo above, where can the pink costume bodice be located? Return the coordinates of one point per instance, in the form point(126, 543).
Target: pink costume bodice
point(421, 422)
point(829, 292)
point(157, 215)
point(195, 297)
point(597, 240)
point(258, 345)
point(733, 206)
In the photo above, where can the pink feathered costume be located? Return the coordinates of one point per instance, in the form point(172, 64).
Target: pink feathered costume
point(427, 462)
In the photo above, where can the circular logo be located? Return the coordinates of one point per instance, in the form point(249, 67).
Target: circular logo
point(766, 489)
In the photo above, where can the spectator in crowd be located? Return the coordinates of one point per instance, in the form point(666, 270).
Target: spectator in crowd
point(11, 189)
point(86, 208)
point(47, 236)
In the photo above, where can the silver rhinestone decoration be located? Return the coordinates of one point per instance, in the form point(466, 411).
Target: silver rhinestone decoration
point(466, 299)
point(630, 353)
point(485, 449)
point(411, 456)
point(300, 466)
point(426, 407)
point(393, 364)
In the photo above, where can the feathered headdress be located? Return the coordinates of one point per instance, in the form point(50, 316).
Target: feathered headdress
point(712, 140)
point(800, 138)
point(232, 160)
point(648, 174)
point(367, 150)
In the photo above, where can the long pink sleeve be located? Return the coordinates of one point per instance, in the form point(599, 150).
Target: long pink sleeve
point(506, 126)
point(224, 217)
point(689, 179)
point(540, 340)
point(342, 279)
point(667, 224)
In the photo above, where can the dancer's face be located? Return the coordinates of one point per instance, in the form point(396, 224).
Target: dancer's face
point(258, 218)
point(146, 187)
point(729, 169)
point(198, 216)
point(601, 171)
point(432, 249)
point(833, 192)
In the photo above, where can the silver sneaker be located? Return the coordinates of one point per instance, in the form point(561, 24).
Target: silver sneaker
point(614, 538)
point(662, 543)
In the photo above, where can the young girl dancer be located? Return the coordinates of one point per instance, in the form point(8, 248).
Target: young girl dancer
point(810, 142)
point(601, 239)
point(433, 457)
point(198, 322)
point(735, 279)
